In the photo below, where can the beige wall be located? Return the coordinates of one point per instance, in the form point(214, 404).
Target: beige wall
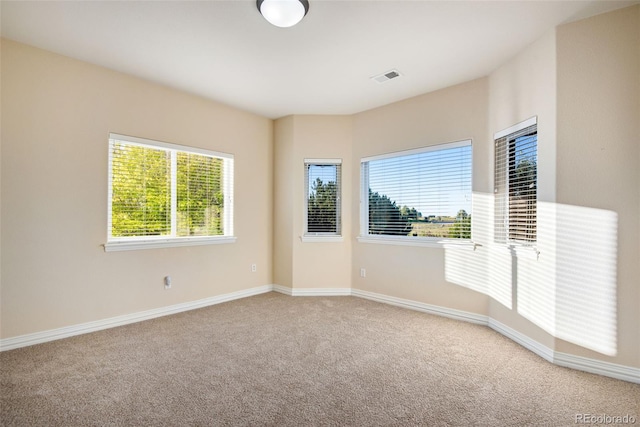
point(522, 88)
point(580, 296)
point(283, 213)
point(310, 264)
point(599, 148)
point(56, 117)
point(452, 114)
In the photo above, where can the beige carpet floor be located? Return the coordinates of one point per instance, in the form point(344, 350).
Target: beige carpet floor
point(275, 360)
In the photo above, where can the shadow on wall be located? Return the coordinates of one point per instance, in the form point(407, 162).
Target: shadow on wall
point(567, 287)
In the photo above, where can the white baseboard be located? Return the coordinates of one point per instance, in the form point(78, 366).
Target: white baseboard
point(312, 292)
point(541, 350)
point(579, 363)
point(607, 369)
point(594, 366)
point(423, 307)
point(85, 328)
point(282, 289)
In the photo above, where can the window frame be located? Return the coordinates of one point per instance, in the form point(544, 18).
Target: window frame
point(311, 237)
point(423, 241)
point(503, 181)
point(163, 241)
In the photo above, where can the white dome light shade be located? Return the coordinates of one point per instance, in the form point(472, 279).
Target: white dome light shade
point(283, 13)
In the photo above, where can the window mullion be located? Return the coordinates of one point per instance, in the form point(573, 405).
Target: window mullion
point(227, 215)
point(174, 192)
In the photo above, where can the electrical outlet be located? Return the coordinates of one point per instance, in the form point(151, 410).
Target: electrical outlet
point(363, 272)
point(254, 268)
point(167, 282)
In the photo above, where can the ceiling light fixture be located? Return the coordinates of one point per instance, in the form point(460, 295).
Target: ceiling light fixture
point(283, 13)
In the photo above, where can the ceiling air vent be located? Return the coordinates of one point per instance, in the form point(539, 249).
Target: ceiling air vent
point(385, 77)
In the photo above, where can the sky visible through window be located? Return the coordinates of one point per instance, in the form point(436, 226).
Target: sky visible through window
point(326, 173)
point(525, 148)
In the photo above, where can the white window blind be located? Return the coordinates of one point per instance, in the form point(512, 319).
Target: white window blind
point(323, 197)
point(516, 184)
point(160, 191)
point(200, 195)
point(140, 190)
point(424, 193)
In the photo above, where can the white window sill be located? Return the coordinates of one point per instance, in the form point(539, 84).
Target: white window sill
point(427, 242)
point(321, 239)
point(132, 245)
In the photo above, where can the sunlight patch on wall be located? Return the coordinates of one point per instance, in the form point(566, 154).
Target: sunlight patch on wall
point(482, 209)
point(500, 273)
point(486, 269)
point(567, 286)
point(570, 291)
point(466, 267)
point(586, 264)
point(536, 277)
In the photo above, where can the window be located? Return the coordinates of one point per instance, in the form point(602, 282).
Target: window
point(516, 183)
point(167, 195)
point(422, 194)
point(323, 187)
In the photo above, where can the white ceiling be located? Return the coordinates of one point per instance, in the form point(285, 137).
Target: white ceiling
point(226, 51)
